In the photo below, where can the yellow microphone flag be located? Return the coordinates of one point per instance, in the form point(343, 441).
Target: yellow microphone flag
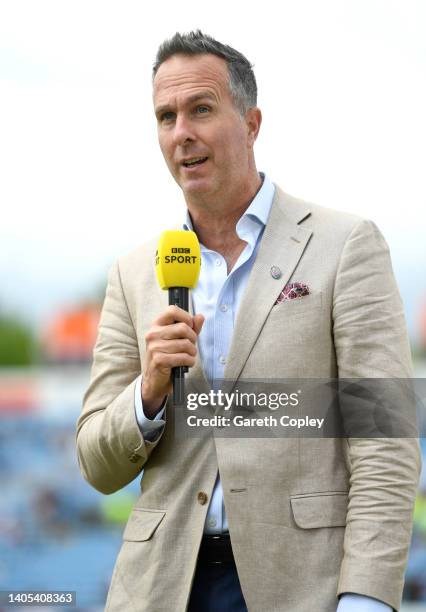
point(178, 259)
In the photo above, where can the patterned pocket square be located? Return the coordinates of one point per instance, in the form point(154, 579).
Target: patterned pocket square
point(292, 291)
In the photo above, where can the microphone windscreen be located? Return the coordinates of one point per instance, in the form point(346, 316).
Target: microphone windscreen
point(178, 259)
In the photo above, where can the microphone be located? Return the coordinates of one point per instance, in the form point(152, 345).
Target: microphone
point(177, 264)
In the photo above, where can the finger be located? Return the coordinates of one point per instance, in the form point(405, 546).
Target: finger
point(198, 323)
point(177, 331)
point(172, 360)
point(174, 346)
point(170, 332)
point(174, 314)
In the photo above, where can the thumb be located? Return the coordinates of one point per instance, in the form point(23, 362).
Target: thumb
point(198, 323)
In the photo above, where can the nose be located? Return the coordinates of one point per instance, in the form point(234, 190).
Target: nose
point(183, 132)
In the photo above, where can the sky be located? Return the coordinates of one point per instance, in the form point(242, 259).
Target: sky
point(342, 89)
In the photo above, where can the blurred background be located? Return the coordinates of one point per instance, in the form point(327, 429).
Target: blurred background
point(342, 87)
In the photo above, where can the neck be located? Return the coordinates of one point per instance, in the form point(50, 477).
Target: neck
point(215, 222)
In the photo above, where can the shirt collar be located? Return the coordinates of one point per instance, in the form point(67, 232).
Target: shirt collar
point(255, 217)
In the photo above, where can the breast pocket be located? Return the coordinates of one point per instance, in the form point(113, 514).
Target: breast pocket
point(298, 306)
point(296, 321)
point(295, 338)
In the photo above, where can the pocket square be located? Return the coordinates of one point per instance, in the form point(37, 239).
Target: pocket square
point(292, 291)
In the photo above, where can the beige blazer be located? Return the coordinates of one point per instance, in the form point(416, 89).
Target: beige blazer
point(308, 518)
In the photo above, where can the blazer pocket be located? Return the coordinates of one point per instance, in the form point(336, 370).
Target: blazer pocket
point(314, 510)
point(313, 301)
point(142, 524)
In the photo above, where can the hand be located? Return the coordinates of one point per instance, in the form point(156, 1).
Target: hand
point(170, 342)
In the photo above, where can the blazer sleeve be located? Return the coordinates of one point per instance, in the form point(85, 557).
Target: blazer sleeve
point(371, 342)
point(111, 449)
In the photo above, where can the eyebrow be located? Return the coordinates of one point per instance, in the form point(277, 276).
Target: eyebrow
point(194, 98)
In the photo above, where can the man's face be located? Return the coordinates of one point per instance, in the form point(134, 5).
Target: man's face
point(204, 139)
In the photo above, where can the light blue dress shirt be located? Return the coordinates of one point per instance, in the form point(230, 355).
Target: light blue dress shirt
point(218, 296)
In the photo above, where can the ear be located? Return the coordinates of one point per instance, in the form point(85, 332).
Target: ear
point(253, 120)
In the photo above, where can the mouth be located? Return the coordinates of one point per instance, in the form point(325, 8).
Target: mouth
point(194, 161)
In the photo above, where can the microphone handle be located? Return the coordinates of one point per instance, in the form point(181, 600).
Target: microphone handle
point(179, 296)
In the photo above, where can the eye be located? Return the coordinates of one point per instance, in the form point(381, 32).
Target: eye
point(201, 109)
point(166, 117)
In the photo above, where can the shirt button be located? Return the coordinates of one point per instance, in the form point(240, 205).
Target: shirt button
point(212, 522)
point(202, 498)
point(222, 360)
point(218, 262)
point(224, 307)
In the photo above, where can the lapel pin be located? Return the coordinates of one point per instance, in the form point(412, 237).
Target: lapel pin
point(276, 272)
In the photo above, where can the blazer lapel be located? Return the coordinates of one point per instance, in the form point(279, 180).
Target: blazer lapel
point(282, 245)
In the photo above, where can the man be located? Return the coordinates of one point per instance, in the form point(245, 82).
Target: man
point(315, 524)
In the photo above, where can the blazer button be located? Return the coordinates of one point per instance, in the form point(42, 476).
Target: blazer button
point(202, 498)
point(134, 457)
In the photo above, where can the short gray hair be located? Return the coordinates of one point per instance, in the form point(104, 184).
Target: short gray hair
point(242, 82)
